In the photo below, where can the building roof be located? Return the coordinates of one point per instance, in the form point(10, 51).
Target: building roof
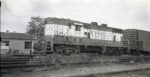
point(20, 36)
point(136, 30)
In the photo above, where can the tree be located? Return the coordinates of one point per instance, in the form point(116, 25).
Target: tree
point(36, 28)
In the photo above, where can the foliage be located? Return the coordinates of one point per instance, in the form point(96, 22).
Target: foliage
point(36, 28)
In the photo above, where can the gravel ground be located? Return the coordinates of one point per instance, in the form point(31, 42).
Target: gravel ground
point(72, 71)
point(144, 73)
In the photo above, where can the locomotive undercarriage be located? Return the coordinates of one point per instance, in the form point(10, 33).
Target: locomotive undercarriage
point(76, 49)
point(101, 50)
point(66, 49)
point(139, 52)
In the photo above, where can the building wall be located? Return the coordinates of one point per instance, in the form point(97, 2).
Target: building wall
point(16, 44)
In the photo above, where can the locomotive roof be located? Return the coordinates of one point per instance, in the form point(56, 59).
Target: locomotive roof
point(62, 21)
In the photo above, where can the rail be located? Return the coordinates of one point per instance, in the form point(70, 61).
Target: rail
point(28, 61)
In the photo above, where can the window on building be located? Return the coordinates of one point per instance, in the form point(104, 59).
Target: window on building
point(5, 43)
point(78, 27)
point(28, 45)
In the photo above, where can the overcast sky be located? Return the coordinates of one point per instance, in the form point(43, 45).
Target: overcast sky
point(123, 14)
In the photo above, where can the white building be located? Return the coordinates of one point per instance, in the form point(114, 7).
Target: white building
point(18, 43)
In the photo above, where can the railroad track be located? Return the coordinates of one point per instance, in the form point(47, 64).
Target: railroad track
point(22, 62)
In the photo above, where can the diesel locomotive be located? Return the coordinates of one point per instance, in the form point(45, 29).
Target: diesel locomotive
point(70, 36)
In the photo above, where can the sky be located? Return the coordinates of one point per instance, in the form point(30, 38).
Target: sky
point(124, 14)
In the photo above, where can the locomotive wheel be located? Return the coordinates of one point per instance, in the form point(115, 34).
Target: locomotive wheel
point(68, 51)
point(60, 51)
point(76, 51)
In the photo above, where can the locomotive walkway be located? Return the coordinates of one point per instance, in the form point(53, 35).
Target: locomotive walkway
point(81, 71)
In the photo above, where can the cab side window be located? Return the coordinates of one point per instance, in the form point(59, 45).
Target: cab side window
point(78, 28)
